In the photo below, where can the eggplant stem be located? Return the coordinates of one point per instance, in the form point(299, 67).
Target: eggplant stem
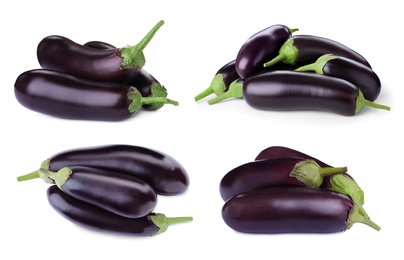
point(356, 217)
point(275, 60)
point(133, 55)
point(29, 176)
point(318, 65)
point(216, 87)
point(162, 222)
point(362, 102)
point(235, 91)
point(328, 171)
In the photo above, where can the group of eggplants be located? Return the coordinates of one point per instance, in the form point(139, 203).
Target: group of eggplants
point(113, 188)
point(91, 81)
point(277, 70)
point(287, 191)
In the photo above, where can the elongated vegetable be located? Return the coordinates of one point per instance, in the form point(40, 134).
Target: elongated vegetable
point(292, 210)
point(94, 218)
point(111, 65)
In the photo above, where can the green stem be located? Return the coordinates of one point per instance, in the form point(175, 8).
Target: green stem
point(328, 171)
point(133, 55)
point(362, 102)
point(275, 60)
point(318, 65)
point(288, 54)
point(292, 30)
point(217, 87)
point(137, 100)
point(157, 90)
point(161, 221)
point(29, 176)
point(235, 91)
point(356, 217)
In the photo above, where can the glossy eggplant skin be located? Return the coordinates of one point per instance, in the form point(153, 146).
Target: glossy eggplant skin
point(357, 73)
point(291, 91)
point(260, 47)
point(259, 174)
point(162, 172)
point(119, 193)
point(228, 73)
point(99, 45)
point(288, 210)
point(60, 95)
point(94, 218)
point(62, 54)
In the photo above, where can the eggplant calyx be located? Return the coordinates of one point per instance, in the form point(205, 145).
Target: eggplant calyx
point(217, 87)
point(138, 100)
point(235, 91)
point(133, 56)
point(157, 90)
point(355, 216)
point(362, 102)
point(318, 65)
point(311, 174)
point(343, 184)
point(287, 54)
point(162, 222)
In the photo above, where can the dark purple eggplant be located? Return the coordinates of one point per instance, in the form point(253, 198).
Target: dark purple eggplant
point(143, 81)
point(119, 193)
point(260, 47)
point(273, 173)
point(350, 70)
point(94, 218)
point(300, 50)
point(291, 91)
point(61, 95)
point(221, 82)
point(292, 210)
point(162, 172)
point(118, 65)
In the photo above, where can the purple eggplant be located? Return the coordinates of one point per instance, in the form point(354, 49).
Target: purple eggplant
point(260, 47)
point(143, 81)
point(162, 172)
point(221, 82)
point(273, 173)
point(350, 70)
point(292, 91)
point(292, 210)
point(118, 65)
point(94, 218)
point(61, 95)
point(119, 193)
point(300, 50)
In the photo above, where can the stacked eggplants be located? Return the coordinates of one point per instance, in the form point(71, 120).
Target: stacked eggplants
point(273, 70)
point(286, 191)
point(113, 188)
point(93, 81)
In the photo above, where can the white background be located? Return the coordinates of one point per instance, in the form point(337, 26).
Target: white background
point(195, 41)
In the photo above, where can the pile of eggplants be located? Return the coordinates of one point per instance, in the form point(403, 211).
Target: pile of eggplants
point(277, 70)
point(91, 81)
point(286, 191)
point(113, 188)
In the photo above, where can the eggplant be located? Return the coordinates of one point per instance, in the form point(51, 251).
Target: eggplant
point(119, 193)
point(162, 172)
point(221, 81)
point(97, 219)
point(65, 96)
point(118, 65)
point(292, 210)
point(143, 81)
point(260, 47)
point(350, 70)
point(300, 50)
point(292, 91)
point(272, 173)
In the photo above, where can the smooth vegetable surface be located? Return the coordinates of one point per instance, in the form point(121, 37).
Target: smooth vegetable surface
point(291, 91)
point(97, 219)
point(119, 193)
point(111, 65)
point(260, 47)
point(61, 95)
point(292, 210)
point(273, 173)
point(344, 68)
point(300, 50)
point(162, 172)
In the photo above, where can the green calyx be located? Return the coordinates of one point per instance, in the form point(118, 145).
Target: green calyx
point(163, 222)
point(311, 174)
point(318, 65)
point(133, 56)
point(157, 90)
point(362, 102)
point(235, 91)
point(355, 216)
point(287, 54)
point(217, 87)
point(137, 100)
